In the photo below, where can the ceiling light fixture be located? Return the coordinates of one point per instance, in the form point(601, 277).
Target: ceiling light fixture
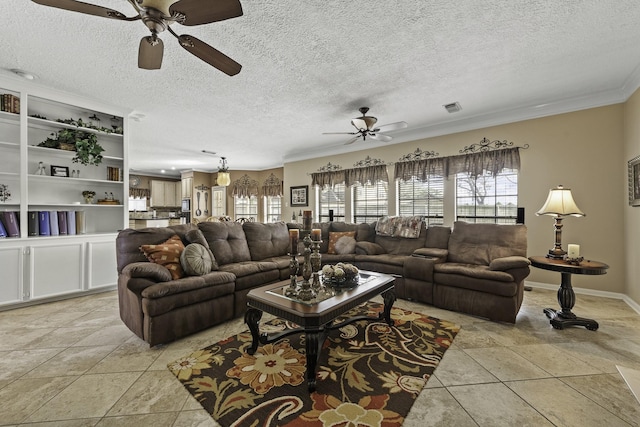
point(23, 74)
point(224, 178)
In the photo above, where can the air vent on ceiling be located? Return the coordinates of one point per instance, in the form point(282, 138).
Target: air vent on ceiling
point(454, 107)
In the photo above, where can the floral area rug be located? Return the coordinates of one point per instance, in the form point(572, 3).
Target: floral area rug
point(369, 373)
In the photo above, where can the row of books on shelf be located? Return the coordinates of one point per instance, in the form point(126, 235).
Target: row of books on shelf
point(114, 174)
point(44, 223)
point(9, 103)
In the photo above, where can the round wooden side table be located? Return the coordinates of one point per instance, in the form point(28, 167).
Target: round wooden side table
point(566, 297)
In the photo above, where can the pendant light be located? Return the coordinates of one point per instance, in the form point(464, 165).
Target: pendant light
point(224, 178)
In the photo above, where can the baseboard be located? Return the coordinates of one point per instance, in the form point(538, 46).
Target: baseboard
point(593, 292)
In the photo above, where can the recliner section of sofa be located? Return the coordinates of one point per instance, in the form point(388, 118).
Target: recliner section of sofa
point(477, 269)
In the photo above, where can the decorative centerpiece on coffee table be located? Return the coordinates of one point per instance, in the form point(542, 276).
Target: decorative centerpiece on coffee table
point(341, 274)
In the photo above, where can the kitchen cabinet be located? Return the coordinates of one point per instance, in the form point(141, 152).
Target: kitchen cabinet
point(165, 193)
point(41, 266)
point(187, 184)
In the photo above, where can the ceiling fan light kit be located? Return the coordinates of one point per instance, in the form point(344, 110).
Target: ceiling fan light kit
point(365, 128)
point(158, 15)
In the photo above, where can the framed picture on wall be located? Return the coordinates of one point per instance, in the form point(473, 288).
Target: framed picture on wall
point(634, 181)
point(300, 195)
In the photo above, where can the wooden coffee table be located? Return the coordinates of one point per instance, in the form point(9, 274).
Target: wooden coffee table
point(316, 317)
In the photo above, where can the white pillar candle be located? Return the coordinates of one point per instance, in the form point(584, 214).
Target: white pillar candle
point(574, 251)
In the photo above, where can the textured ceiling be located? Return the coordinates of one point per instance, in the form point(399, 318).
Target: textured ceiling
point(308, 66)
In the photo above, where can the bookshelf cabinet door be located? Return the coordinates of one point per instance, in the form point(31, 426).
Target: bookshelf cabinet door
point(101, 264)
point(11, 265)
point(56, 269)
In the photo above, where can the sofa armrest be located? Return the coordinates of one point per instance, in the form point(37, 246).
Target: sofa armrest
point(148, 270)
point(434, 253)
point(509, 263)
point(369, 248)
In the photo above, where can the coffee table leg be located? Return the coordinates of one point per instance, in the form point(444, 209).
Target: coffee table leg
point(252, 319)
point(389, 298)
point(313, 341)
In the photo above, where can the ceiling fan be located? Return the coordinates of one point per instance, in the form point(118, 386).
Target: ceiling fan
point(158, 15)
point(365, 128)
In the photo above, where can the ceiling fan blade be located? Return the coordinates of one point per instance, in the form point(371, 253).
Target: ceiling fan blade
point(380, 137)
point(391, 126)
point(89, 9)
point(340, 133)
point(209, 55)
point(352, 140)
point(199, 12)
point(150, 53)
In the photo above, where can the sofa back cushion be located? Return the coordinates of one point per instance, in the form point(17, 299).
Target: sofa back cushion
point(401, 245)
point(482, 243)
point(266, 240)
point(227, 241)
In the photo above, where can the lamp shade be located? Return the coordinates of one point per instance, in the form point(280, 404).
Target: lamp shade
point(364, 122)
point(224, 179)
point(560, 203)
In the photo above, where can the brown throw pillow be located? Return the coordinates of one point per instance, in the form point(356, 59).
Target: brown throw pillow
point(334, 236)
point(166, 254)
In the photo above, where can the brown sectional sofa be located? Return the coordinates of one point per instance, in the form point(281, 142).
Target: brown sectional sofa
point(477, 269)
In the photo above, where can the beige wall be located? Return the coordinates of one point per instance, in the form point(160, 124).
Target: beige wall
point(631, 214)
point(580, 150)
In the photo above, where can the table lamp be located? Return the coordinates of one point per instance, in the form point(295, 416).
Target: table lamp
point(558, 205)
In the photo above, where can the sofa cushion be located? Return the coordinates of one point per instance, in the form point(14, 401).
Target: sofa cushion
point(166, 254)
point(401, 245)
point(509, 263)
point(129, 241)
point(266, 240)
point(227, 241)
point(195, 260)
point(369, 248)
point(473, 270)
point(482, 243)
point(334, 236)
point(147, 270)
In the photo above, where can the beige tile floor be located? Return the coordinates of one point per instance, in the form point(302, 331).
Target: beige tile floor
point(73, 363)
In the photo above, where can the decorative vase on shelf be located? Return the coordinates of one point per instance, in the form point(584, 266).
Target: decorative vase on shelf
point(88, 200)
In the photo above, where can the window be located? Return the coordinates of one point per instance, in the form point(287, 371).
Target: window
point(245, 207)
point(137, 204)
point(273, 208)
point(487, 198)
point(422, 198)
point(370, 201)
point(331, 199)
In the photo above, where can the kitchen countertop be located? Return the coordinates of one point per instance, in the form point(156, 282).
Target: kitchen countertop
point(152, 219)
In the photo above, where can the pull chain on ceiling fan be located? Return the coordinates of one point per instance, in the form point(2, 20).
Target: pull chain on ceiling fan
point(365, 128)
point(158, 15)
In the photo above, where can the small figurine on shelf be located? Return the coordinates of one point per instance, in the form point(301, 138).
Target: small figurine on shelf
point(88, 196)
point(41, 170)
point(108, 196)
point(5, 194)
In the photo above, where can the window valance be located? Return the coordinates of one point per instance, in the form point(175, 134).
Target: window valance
point(421, 169)
point(475, 164)
point(366, 174)
point(272, 186)
point(245, 187)
point(485, 161)
point(328, 178)
point(140, 192)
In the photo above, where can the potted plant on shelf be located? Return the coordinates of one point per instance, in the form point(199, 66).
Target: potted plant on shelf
point(85, 144)
point(88, 196)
